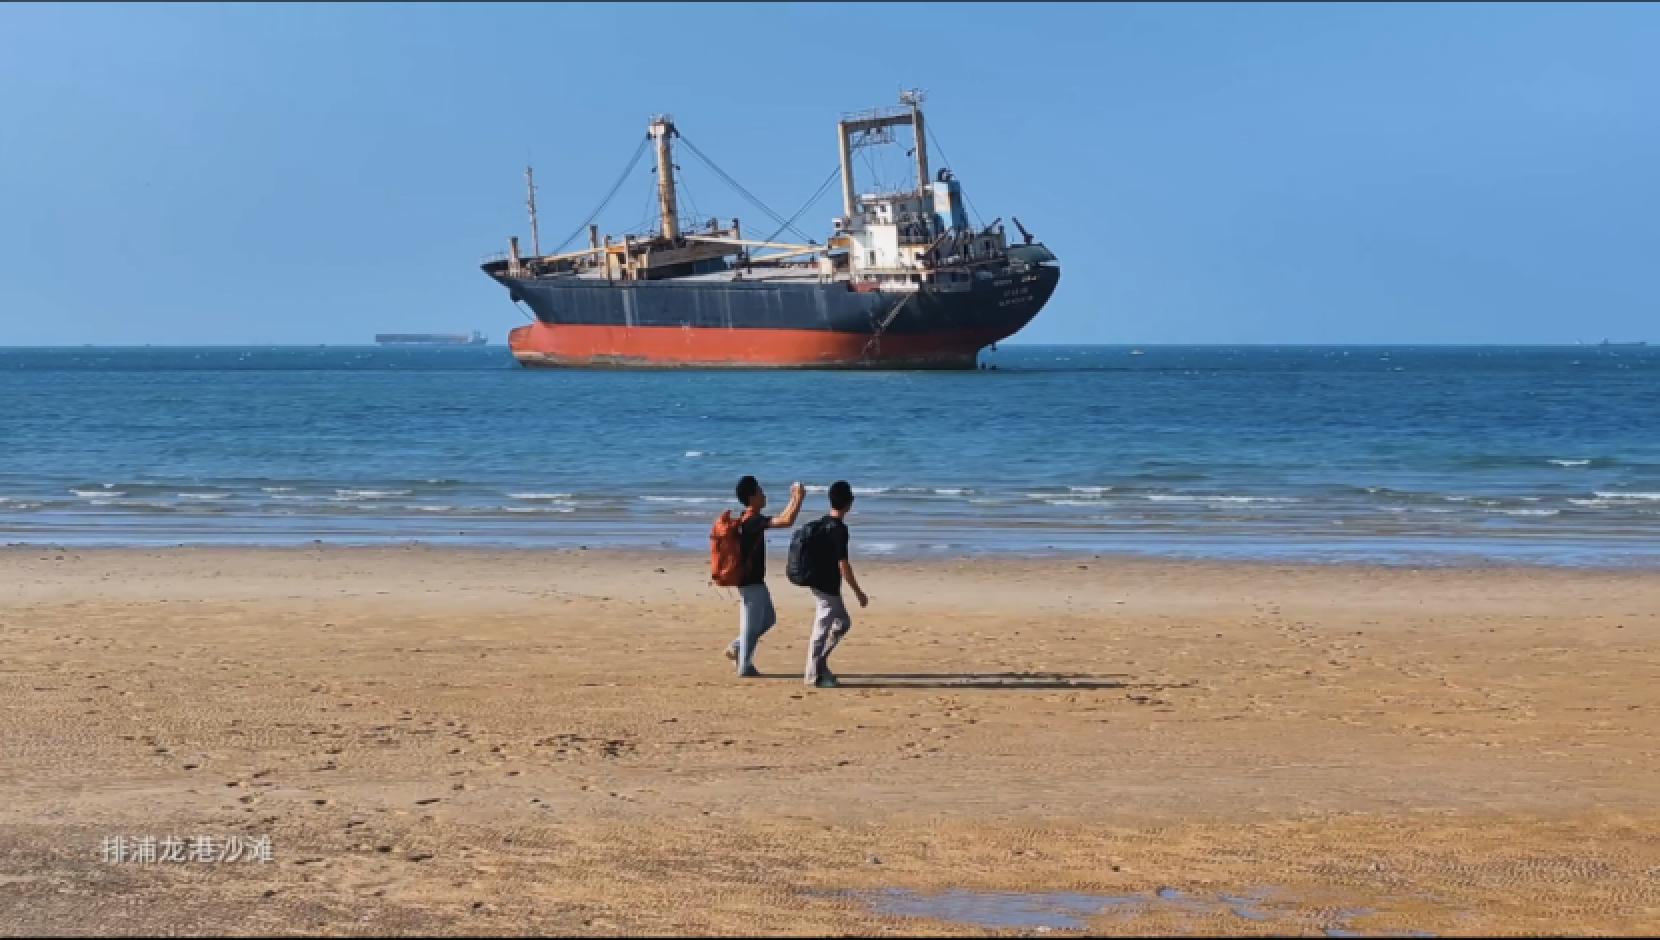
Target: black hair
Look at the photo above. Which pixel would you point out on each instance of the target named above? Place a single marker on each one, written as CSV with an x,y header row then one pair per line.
x,y
841,496
746,490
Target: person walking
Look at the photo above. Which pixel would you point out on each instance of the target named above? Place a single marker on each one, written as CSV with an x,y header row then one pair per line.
x,y
755,611
830,567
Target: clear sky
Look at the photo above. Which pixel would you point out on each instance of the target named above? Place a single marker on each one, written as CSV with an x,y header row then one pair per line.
x,y
1231,174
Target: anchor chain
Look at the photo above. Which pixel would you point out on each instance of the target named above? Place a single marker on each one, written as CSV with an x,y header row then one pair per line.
x,y
875,341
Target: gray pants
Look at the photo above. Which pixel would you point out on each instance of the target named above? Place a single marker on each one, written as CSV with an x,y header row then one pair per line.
x,y
755,618
830,623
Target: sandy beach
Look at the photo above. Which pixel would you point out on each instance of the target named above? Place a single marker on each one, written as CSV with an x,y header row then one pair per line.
x,y
505,742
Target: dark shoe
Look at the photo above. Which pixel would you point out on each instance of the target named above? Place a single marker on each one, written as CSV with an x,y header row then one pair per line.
x,y
750,673
826,682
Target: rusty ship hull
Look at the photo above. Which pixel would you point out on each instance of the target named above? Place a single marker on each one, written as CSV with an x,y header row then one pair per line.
x,y
670,324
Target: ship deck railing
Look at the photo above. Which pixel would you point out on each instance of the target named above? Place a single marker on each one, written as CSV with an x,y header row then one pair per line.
x,y
875,114
893,275
712,277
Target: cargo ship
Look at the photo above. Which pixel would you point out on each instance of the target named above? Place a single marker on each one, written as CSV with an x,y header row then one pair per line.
x,y
430,339
903,281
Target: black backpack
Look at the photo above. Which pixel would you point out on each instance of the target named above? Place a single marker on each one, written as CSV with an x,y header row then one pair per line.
x,y
807,551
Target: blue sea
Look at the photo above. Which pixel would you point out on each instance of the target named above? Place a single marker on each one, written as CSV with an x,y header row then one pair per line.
x,y
1413,455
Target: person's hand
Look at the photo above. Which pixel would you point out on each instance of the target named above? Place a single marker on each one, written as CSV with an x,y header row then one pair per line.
x,y
796,489
863,600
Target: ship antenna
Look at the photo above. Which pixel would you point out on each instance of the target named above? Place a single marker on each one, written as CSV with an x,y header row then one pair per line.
x,y
530,202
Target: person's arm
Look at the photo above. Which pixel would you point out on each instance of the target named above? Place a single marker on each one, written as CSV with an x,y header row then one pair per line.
x,y
786,518
847,566
852,582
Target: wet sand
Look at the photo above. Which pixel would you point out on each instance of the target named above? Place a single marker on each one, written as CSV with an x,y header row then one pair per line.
x,y
482,742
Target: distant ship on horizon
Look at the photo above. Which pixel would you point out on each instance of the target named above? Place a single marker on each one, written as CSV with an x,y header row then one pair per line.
x,y
431,339
1636,343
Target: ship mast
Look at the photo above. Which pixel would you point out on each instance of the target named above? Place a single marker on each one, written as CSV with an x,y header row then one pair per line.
x,y
913,97
530,203
662,128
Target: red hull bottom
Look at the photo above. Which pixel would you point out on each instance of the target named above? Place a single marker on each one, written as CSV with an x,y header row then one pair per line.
x,y
539,344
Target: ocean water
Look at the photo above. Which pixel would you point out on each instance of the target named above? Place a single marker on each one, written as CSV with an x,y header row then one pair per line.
x,y
1387,454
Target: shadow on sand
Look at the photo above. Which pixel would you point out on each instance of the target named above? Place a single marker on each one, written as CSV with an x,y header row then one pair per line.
x,y
987,680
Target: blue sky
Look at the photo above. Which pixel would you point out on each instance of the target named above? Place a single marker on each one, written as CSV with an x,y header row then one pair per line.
x,y
1231,174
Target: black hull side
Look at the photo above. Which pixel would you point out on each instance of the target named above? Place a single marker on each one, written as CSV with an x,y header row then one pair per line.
x,y
997,307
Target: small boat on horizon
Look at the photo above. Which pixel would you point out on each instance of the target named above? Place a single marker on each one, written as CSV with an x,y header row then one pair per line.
x,y
430,339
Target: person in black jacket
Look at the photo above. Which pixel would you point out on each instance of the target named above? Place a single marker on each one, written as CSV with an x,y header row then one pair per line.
x,y
832,621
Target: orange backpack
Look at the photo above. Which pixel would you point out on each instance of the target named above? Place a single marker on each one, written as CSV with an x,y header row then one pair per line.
x,y
726,550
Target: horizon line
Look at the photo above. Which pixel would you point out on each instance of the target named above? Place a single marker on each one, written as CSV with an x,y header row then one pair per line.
x,y
1131,345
